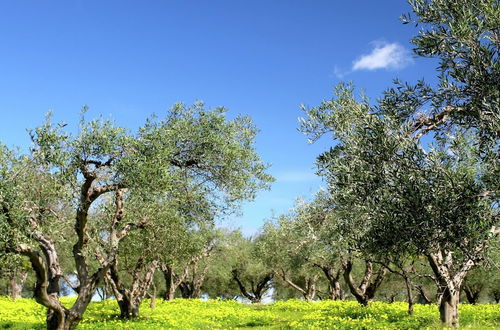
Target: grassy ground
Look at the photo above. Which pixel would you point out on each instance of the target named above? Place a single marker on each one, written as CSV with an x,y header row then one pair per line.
x,y
292,314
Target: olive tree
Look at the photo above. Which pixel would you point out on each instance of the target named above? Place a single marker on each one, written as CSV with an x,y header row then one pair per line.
x,y
105,160
32,195
398,196
178,239
132,273
247,268
284,248
321,244
441,199
181,259
14,274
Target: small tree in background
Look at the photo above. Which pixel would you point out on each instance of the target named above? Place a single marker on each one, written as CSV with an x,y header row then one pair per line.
x,y
252,276
285,248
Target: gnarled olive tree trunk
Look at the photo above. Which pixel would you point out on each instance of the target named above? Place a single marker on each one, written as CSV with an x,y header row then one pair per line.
x,y
129,299
308,290
47,267
46,292
371,281
472,292
334,288
172,280
192,277
448,308
449,277
257,290
191,286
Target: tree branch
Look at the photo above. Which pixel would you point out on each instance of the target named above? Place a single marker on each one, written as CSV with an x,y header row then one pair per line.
x,y
426,124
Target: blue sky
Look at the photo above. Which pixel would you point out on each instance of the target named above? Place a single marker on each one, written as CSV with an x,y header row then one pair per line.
x,y
130,59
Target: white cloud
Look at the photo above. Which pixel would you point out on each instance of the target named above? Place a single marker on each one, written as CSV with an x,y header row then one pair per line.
x,y
384,56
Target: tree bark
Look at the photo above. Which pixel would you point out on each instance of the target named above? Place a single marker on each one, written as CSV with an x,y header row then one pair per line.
x,y
168,275
449,277
409,295
172,280
191,285
198,279
129,299
46,291
48,275
16,284
152,304
335,291
365,291
186,290
448,308
309,289
129,307
334,288
189,288
472,293
257,291
197,290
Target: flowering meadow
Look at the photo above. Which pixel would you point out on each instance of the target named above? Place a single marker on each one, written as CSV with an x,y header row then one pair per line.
x,y
291,314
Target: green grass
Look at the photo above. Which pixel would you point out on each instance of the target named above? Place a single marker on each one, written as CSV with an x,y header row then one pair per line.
x,y
291,314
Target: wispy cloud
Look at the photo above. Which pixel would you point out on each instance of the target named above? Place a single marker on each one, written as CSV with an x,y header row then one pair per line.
x,y
339,73
384,56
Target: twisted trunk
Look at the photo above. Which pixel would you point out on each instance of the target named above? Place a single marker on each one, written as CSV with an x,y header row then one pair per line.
x,y
308,290
170,287
172,280
191,288
130,299
371,281
472,292
449,278
448,308
44,259
194,277
129,307
334,288
186,290
49,272
256,291
46,292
